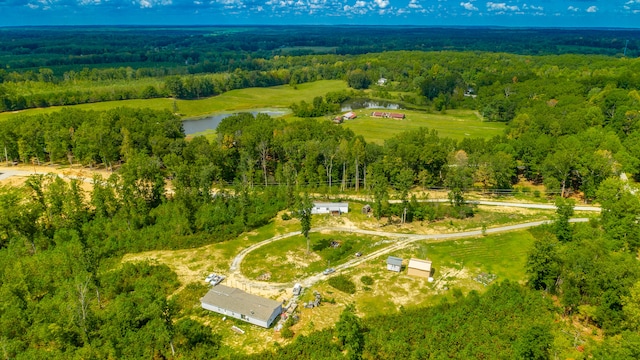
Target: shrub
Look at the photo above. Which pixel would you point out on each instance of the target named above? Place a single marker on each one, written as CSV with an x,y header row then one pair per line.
x,y
286,216
286,332
367,280
343,284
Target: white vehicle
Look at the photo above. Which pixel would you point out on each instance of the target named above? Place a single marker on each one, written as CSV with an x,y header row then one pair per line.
x,y
328,271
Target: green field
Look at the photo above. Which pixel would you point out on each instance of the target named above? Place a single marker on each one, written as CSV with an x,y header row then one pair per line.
x,y
286,260
456,124
504,255
235,100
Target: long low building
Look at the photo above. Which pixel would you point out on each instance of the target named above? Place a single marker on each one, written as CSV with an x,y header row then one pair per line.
x,y
330,208
241,305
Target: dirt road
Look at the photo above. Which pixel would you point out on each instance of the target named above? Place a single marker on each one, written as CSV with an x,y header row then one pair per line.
x,y
403,240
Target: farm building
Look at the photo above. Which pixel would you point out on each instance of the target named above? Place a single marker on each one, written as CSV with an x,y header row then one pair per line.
x,y
241,305
337,120
394,264
349,116
387,115
330,208
419,267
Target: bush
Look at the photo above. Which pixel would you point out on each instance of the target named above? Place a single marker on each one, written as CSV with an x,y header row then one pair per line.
x,y
343,284
286,332
286,216
367,280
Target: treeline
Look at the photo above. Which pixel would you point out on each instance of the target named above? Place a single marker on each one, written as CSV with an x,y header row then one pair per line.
x,y
505,85
221,49
593,269
567,147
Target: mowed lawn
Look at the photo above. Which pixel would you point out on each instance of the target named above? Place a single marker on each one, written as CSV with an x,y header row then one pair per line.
x,y
504,254
455,124
235,100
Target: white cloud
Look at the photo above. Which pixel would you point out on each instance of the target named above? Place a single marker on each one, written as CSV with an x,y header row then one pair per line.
x,y
468,6
491,6
147,4
382,3
592,9
414,4
532,7
633,6
573,8
89,2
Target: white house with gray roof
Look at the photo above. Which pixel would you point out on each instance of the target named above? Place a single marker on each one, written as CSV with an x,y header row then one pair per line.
x,y
330,208
394,264
241,305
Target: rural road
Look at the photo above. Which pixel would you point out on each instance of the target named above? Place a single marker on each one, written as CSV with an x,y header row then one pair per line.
x,y
510,204
402,241
6,173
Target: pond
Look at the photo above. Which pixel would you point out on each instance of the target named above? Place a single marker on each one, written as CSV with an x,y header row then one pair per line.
x,y
355,104
211,122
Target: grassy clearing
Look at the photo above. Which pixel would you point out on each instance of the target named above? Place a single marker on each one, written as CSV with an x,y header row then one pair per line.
x,y
286,260
503,254
456,124
235,100
455,264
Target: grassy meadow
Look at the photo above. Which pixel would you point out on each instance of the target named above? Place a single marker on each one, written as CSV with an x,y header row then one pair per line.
x,y
235,100
286,260
455,124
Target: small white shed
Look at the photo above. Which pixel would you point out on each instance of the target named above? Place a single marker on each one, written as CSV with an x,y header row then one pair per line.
x,y
394,264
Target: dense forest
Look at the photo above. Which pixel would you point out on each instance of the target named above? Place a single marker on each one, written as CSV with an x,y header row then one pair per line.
x,y
66,66
572,127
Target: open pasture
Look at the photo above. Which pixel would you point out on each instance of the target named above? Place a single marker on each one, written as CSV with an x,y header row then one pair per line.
x,y
504,255
235,100
455,124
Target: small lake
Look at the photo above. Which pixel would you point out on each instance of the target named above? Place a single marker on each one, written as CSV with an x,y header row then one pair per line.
x,y
192,126
355,104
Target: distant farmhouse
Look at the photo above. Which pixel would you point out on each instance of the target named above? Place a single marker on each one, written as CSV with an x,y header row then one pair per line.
x,y
241,305
421,268
330,208
394,264
387,115
349,116
382,81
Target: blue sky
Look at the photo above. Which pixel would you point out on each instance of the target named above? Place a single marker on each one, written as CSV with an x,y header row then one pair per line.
x,y
540,13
